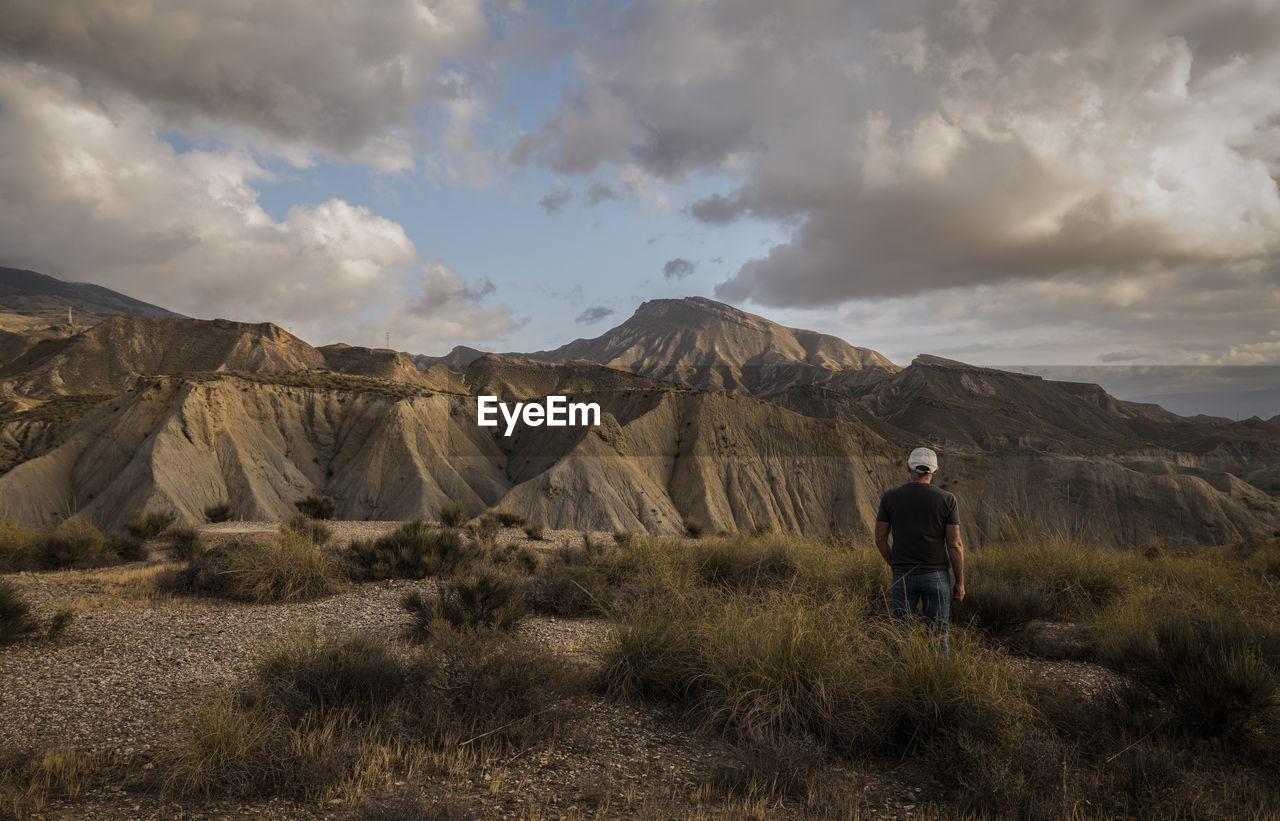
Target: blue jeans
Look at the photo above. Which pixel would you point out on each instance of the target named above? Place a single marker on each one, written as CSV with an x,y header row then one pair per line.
x,y
931,592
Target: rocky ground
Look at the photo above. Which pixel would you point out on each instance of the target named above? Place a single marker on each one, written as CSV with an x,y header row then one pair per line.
x,y
131,661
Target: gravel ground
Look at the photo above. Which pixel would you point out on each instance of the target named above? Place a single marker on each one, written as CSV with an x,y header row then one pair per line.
x,y
128,664
110,683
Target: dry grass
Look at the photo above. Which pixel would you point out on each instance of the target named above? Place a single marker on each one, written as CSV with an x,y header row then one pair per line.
x,y
130,586
340,715
29,781
283,568
74,542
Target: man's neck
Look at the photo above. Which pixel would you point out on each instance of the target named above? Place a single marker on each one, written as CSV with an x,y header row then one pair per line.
x,y
922,479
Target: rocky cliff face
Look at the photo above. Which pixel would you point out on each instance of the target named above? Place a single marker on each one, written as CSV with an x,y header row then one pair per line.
x,y
219,411
188,443
659,455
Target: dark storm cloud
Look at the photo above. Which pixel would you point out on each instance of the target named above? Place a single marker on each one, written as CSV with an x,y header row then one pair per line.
x,y
593,315
678,268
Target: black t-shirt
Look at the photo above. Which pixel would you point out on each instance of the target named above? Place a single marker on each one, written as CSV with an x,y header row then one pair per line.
x,y
918,515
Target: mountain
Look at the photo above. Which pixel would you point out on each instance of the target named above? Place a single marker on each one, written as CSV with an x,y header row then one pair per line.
x,y
1232,391
965,406
152,413
29,299
111,355
707,344
660,454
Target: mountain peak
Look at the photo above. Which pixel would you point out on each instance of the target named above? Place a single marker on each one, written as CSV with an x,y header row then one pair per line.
x,y
707,344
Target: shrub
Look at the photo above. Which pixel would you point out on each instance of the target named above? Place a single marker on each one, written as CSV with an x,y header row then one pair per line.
x,y
219,512
18,546
60,622
507,519
994,605
313,529
519,555
621,537
1071,580
784,667
414,550
490,692
150,525
230,748
453,514
74,543
186,543
485,530
486,600
284,568
14,610
1217,672
127,547
317,507
578,581
319,711
693,527
533,532
307,674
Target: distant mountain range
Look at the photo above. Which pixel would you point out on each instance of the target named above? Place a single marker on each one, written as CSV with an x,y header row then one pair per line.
x,y
39,298
708,412
1233,391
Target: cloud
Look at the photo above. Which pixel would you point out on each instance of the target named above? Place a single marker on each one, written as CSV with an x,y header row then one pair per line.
x,y
555,202
92,194
598,192
678,268
926,145
1202,314
440,310
1123,356
345,77
593,315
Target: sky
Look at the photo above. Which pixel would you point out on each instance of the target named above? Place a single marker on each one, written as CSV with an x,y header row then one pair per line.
x,y
995,181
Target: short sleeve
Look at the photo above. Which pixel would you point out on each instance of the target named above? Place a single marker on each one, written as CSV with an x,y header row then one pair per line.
x,y
953,511
882,515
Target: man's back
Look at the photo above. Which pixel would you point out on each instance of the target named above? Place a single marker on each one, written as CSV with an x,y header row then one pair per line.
x,y
918,514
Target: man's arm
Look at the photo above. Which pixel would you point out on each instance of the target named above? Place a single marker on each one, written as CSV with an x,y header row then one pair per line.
x,y
955,552
882,542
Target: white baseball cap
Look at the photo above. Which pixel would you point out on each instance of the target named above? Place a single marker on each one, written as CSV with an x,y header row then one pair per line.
x,y
923,460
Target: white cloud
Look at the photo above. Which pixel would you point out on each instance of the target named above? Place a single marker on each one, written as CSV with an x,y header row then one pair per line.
x,y
437,310
92,194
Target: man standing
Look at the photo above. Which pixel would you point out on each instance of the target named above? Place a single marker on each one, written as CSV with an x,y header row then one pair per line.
x,y
925,525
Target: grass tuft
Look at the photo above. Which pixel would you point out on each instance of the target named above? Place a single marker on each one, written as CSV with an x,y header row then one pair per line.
x,y
150,525
313,529
415,550
486,600
15,621
284,568
453,513
218,512
186,542
317,507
